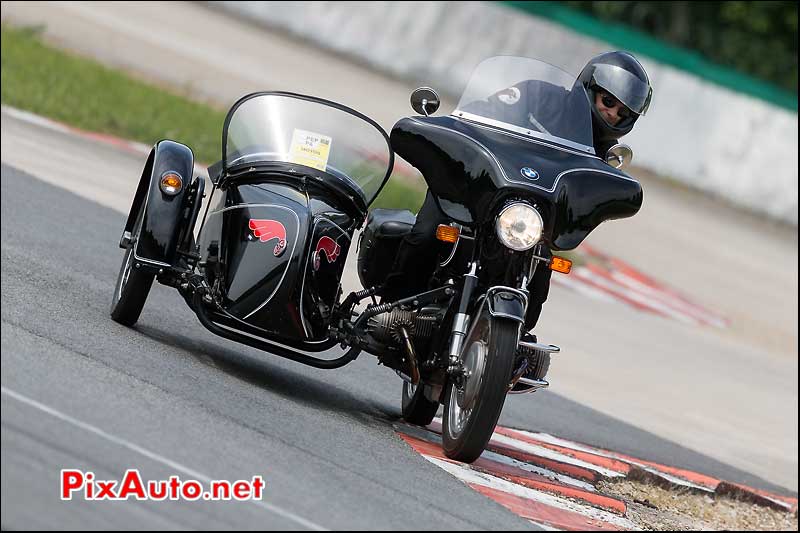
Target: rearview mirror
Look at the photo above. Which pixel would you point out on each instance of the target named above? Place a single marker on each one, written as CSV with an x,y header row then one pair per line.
x,y
425,101
619,155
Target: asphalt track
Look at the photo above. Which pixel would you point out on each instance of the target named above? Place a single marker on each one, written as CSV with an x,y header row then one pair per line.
x,y
167,397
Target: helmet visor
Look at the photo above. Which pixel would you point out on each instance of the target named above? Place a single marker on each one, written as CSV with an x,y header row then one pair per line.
x,y
626,87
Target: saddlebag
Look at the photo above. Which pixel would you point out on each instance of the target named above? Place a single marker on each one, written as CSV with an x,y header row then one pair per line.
x,y
379,242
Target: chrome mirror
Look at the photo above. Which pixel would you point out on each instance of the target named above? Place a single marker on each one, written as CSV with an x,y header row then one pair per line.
x,y
619,155
425,101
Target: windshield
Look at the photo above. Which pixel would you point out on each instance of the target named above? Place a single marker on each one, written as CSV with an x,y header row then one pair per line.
x,y
530,97
315,133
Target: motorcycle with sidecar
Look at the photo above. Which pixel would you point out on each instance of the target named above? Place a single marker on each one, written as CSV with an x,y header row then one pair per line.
x,y
263,264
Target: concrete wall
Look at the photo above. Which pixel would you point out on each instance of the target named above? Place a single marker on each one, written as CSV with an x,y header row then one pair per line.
x,y
727,143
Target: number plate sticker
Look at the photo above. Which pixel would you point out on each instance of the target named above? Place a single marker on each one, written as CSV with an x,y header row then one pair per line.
x,y
310,149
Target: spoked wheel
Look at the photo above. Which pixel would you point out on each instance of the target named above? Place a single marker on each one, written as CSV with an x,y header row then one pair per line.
x,y
473,406
132,286
417,409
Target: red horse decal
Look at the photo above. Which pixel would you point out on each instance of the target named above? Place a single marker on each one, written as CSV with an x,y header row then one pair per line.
x,y
266,230
331,249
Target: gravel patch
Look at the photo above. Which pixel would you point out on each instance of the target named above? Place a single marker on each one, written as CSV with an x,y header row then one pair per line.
x,y
659,509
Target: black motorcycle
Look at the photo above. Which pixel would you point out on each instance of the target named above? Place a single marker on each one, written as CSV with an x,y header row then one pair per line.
x,y
295,182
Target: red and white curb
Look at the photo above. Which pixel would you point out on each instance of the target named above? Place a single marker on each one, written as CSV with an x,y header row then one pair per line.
x,y
608,278
552,481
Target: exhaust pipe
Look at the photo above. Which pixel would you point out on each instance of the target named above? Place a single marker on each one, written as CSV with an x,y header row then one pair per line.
x,y
412,356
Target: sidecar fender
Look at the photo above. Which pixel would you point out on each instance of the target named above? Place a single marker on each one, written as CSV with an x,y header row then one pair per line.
x,y
157,240
507,303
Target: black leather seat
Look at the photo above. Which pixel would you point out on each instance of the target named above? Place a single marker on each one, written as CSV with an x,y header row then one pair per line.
x,y
379,242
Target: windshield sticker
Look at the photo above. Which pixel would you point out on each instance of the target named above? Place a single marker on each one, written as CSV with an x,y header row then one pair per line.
x,y
509,96
310,149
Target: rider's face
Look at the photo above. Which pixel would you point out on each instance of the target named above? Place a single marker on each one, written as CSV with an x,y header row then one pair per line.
x,y
612,109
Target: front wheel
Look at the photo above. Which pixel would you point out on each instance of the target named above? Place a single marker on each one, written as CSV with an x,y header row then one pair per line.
x,y
473,406
132,287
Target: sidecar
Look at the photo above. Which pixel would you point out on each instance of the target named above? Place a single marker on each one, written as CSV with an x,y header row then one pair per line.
x,y
263,263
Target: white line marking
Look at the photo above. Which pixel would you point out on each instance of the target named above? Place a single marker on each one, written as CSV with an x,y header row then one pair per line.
x,y
541,451
544,437
549,474
154,456
542,525
467,475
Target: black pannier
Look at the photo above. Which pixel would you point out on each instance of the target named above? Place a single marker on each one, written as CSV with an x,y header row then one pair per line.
x,y
379,243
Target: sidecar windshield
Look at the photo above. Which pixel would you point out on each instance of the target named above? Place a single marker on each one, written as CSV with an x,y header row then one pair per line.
x,y
531,98
315,133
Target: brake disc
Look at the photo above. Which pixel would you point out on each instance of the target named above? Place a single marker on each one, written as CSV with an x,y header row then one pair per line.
x,y
474,361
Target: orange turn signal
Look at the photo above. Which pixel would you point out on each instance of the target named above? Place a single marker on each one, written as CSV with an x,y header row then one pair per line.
x,y
559,264
171,183
447,233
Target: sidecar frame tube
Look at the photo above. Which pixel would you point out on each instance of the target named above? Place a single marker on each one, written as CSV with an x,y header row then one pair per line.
x,y
200,309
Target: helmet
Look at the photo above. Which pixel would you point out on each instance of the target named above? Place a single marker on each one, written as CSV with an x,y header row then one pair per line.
x,y
621,75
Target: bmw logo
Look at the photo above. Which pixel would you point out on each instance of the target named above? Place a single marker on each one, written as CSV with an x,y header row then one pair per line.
x,y
529,173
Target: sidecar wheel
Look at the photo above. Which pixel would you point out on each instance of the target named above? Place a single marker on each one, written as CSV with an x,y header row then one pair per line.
x,y
417,409
132,287
471,411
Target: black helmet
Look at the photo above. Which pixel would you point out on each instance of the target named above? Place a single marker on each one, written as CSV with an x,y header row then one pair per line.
x,y
621,75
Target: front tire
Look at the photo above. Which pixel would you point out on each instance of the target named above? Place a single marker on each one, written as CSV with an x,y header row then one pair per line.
x,y
417,409
132,287
471,411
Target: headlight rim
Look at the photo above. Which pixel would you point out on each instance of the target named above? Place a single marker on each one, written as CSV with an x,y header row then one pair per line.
x,y
503,211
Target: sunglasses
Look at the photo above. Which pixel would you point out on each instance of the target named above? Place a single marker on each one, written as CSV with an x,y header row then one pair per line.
x,y
611,102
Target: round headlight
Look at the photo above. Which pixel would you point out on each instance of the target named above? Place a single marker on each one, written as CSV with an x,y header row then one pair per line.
x,y
519,226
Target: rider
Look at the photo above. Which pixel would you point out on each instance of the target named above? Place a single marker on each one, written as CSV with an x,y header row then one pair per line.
x,y
619,90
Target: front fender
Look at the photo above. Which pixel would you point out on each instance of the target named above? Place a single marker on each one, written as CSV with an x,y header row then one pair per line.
x,y
160,232
507,303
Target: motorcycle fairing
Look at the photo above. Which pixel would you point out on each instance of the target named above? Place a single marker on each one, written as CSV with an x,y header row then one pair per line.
x,y
468,166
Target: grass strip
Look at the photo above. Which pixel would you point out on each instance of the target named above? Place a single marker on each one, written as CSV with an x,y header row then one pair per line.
x,y
81,92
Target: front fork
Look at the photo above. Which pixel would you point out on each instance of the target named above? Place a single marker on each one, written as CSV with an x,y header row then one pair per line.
x,y
461,321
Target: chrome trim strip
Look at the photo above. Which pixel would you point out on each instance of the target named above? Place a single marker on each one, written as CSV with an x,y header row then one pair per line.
x,y
497,288
590,170
241,206
227,314
534,384
452,252
502,170
151,261
584,149
528,139
322,217
549,348
223,326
